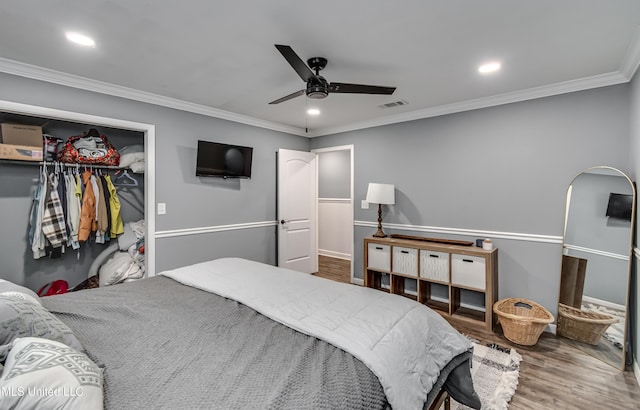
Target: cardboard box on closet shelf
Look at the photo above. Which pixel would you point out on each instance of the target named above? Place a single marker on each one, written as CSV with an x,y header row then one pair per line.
x,y
21,142
20,152
21,134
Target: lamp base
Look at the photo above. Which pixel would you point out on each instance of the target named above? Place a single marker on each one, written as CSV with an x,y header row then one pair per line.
x,y
379,233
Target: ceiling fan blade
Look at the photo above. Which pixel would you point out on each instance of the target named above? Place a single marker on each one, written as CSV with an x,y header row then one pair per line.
x,y
360,89
288,97
296,62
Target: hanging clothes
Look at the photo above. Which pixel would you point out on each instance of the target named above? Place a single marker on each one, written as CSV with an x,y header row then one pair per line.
x,y
54,226
117,226
73,210
88,222
101,215
107,200
38,241
67,210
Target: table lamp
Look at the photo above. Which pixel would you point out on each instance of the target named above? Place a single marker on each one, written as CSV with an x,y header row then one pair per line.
x,y
381,194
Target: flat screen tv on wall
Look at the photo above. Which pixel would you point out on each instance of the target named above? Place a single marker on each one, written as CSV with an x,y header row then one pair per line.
x,y
619,206
215,159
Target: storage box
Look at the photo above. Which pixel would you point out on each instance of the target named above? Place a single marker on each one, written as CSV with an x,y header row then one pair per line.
x,y
21,134
434,265
20,152
468,271
405,261
379,257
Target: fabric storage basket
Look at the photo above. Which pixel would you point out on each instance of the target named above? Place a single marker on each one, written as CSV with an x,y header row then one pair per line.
x,y
581,325
522,320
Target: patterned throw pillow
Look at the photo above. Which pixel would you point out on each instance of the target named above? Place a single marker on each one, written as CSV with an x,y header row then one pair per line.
x,y
44,374
24,318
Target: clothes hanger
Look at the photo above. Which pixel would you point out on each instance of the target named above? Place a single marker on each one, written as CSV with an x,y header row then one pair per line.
x,y
124,179
93,133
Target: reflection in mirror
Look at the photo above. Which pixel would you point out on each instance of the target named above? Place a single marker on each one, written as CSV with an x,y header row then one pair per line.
x,y
597,248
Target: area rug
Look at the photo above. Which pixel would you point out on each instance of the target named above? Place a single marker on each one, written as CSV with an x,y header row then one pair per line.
x,y
495,372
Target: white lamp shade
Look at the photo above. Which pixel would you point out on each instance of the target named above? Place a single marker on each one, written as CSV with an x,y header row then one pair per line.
x,y
381,194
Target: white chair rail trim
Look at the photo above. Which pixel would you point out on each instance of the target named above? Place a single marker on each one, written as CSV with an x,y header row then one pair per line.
x,y
417,228
467,232
211,229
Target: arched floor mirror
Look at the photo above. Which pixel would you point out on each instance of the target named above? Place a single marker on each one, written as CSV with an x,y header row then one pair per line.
x,y
596,263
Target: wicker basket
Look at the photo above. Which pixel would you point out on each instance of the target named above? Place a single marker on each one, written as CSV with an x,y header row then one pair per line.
x,y
522,320
581,325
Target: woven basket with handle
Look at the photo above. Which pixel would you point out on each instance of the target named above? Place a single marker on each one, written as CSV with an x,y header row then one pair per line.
x,y
522,320
581,325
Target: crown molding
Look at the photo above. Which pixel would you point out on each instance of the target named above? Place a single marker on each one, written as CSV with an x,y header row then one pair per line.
x,y
57,77
586,83
631,60
627,70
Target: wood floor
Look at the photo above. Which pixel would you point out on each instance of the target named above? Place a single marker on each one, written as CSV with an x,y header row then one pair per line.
x,y
553,374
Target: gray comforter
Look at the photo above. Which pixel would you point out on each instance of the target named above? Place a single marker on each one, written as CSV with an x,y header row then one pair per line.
x,y
166,345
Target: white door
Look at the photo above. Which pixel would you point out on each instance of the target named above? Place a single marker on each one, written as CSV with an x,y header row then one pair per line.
x,y
297,198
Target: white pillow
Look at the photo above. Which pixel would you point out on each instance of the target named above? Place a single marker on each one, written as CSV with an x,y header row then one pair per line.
x,y
117,268
45,374
131,154
137,167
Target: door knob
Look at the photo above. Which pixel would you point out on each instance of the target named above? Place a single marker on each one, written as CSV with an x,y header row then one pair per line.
x,y
282,221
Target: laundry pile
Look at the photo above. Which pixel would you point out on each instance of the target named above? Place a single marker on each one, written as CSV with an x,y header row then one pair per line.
x,y
127,262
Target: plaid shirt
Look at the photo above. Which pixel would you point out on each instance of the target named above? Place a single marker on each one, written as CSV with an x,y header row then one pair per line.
x,y
53,222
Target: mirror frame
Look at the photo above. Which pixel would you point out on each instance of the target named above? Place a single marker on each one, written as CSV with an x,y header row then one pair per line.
x,y
629,264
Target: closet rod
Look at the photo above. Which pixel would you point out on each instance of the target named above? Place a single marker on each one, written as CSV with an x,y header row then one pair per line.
x,y
68,165
51,163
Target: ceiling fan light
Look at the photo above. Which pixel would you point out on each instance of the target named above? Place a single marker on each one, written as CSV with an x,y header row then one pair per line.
x,y
317,93
313,111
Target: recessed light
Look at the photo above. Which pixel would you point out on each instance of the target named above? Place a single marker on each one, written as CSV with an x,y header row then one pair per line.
x,y
313,111
80,39
489,67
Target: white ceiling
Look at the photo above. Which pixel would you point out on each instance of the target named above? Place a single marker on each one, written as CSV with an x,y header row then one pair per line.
x,y
218,57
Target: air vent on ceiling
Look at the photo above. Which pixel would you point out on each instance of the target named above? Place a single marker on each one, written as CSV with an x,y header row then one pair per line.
x,y
394,104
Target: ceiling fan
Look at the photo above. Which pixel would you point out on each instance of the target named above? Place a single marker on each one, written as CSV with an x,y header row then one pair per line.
x,y
317,86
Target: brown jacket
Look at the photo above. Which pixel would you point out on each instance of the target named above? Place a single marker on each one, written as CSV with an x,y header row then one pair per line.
x,y
88,222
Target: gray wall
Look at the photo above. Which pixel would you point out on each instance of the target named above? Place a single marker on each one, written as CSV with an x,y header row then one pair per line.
x,y
503,169
191,202
332,168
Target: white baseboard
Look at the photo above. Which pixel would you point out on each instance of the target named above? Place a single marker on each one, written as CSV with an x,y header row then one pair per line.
x,y
636,371
333,254
357,281
604,303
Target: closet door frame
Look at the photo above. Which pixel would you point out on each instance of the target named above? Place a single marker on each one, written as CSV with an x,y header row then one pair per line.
x,y
149,131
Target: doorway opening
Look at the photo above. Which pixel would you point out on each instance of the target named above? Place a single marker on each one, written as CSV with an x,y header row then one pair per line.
x,y
335,212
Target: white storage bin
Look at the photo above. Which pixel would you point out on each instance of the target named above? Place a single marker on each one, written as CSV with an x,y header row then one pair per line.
x,y
379,257
468,271
434,265
405,261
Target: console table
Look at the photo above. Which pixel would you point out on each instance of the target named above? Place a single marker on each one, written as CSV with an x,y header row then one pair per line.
x,y
456,281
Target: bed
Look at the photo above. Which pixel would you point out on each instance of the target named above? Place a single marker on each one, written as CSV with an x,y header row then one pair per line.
x,y
237,334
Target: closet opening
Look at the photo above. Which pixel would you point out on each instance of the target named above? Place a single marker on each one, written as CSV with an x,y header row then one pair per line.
x,y
19,180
